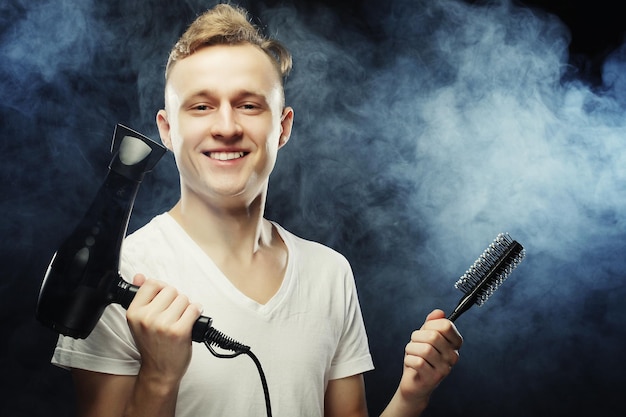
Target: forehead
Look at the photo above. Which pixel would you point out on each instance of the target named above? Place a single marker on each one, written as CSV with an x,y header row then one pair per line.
x,y
222,68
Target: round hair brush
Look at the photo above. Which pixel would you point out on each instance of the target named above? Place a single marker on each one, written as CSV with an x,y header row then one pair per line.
x,y
484,277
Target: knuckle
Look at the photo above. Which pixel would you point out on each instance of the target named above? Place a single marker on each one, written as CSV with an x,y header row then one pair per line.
x,y
454,359
183,299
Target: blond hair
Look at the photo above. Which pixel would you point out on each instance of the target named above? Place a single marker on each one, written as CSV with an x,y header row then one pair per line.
x,y
228,25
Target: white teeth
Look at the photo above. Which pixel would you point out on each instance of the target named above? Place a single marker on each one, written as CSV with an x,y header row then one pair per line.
x,y
225,156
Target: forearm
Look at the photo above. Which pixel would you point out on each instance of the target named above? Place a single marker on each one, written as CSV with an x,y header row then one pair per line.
x,y
429,358
401,407
160,320
152,397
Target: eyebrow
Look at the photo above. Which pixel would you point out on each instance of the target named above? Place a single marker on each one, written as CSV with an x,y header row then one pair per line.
x,y
239,95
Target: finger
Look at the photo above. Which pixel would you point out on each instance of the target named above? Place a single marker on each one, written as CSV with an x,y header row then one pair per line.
x,y
179,318
427,339
414,351
447,329
153,294
166,296
433,349
443,359
423,369
148,289
419,364
172,314
191,313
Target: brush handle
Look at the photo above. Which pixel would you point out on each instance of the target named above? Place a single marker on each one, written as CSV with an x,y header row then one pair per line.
x,y
464,305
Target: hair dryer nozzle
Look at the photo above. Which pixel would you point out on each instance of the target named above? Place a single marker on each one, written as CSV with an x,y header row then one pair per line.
x,y
133,153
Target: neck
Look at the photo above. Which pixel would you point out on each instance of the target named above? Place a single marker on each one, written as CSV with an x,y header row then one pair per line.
x,y
222,230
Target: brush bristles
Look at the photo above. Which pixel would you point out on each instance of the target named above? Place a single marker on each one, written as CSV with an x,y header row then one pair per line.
x,y
491,268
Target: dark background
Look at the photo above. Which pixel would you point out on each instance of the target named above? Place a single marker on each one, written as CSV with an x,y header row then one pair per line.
x,y
422,130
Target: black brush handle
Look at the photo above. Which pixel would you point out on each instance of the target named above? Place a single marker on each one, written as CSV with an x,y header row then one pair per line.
x,y
464,305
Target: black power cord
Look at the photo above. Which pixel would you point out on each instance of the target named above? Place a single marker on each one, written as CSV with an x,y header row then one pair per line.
x,y
217,338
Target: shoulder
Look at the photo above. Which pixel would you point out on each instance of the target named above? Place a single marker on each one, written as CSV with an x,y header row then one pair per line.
x,y
150,248
310,252
159,232
157,225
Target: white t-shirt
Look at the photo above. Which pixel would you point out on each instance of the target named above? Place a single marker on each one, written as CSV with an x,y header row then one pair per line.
x,y
311,331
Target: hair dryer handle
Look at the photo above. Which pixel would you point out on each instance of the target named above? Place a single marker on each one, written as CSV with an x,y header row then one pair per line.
x,y
126,292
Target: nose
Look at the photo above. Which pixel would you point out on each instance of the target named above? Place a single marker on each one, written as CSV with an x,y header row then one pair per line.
x,y
225,125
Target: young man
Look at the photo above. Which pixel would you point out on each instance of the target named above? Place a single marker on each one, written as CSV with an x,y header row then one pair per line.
x,y
293,301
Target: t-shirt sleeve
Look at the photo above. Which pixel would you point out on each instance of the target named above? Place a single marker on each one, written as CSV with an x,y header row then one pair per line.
x,y
352,355
109,348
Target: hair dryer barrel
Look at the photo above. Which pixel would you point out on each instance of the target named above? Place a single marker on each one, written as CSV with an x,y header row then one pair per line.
x,y
83,276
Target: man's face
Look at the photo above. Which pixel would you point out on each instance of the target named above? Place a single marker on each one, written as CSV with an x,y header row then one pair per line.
x,y
224,121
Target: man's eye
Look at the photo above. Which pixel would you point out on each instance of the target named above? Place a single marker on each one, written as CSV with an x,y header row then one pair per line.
x,y
201,107
252,108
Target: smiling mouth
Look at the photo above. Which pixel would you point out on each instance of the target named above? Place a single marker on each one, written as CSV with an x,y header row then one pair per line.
x,y
225,156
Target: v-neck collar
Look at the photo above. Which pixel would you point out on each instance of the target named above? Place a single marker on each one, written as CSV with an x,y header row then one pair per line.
x,y
221,280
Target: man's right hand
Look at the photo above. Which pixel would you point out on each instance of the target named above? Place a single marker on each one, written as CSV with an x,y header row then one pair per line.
x,y
161,321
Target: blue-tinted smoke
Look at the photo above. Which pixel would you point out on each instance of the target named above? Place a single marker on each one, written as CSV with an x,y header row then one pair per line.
x,y
416,146
422,130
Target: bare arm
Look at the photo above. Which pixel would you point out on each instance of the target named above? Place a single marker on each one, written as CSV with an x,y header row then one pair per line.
x,y
101,395
429,358
345,397
105,395
160,320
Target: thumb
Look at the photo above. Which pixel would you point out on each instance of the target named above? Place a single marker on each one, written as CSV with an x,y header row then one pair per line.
x,y
139,279
435,314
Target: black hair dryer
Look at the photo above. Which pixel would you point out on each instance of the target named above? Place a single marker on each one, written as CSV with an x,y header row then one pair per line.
x,y
83,276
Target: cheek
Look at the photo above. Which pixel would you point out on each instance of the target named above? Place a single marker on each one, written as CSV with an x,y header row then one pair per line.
x,y
186,134
273,132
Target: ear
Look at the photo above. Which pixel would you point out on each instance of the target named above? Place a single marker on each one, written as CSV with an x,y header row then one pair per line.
x,y
164,128
286,123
